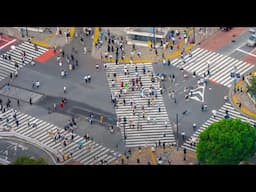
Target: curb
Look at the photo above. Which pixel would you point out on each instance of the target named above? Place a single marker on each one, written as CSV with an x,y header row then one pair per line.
x,y
173,55
40,43
46,45
13,136
233,100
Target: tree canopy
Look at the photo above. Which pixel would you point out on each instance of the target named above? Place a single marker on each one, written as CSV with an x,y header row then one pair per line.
x,y
228,141
252,88
26,160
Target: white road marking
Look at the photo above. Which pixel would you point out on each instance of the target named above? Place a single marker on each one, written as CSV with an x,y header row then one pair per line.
x,y
248,53
5,45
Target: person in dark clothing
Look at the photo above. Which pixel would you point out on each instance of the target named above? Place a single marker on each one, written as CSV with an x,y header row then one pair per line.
x,y
30,100
73,120
202,107
17,123
8,104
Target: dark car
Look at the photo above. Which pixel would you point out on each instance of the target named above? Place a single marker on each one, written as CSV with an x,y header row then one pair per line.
x,y
226,28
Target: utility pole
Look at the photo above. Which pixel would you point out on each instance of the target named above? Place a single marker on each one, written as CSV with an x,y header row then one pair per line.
x,y
124,129
124,133
177,124
27,31
154,32
234,78
194,35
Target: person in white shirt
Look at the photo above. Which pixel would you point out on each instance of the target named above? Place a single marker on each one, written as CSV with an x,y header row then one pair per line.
x,y
85,78
97,67
183,135
89,78
148,118
62,73
37,84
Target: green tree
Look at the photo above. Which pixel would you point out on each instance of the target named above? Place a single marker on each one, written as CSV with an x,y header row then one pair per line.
x,y
26,160
228,141
252,88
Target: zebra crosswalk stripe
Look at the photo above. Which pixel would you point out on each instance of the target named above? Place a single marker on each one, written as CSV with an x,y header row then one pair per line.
x,y
7,66
40,133
154,129
191,142
220,66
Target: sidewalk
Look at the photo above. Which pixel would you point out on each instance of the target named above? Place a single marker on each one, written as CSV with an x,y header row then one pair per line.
x,y
169,155
47,39
147,54
241,101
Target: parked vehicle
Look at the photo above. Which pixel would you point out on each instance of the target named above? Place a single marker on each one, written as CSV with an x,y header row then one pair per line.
x,y
225,28
252,30
252,40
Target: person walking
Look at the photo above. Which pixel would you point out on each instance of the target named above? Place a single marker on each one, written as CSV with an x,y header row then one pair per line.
x,y
65,89
183,135
159,109
30,100
89,78
37,84
17,122
85,79
97,67
184,151
202,107
194,126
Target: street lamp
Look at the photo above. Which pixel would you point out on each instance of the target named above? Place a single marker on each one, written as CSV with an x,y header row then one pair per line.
x,y
124,128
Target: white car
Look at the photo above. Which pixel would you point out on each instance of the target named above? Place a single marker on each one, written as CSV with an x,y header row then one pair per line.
x,y
252,40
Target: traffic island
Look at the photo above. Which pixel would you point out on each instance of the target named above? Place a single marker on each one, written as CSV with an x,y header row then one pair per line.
x,y
241,99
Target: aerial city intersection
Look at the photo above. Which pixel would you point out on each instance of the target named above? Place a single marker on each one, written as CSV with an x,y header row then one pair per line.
x,y
127,95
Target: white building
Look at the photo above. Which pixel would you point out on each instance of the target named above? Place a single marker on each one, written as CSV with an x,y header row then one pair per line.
x,y
142,35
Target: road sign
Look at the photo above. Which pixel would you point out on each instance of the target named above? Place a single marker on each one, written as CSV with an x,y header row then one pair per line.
x,y
237,75
232,74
